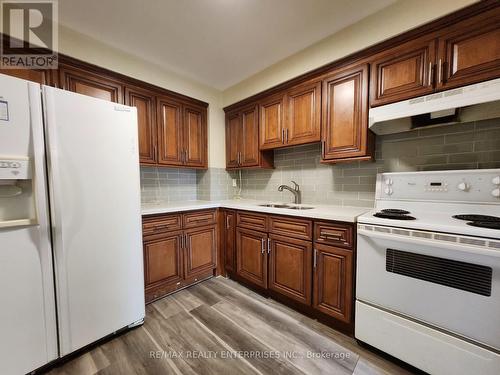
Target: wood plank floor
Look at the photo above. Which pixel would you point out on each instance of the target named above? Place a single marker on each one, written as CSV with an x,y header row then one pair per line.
x,y
220,327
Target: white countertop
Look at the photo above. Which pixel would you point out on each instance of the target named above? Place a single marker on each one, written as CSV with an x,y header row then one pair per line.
x,y
320,211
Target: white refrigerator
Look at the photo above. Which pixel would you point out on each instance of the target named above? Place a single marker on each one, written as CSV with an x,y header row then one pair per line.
x,y
71,265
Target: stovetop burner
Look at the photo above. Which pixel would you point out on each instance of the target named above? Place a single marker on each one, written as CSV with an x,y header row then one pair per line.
x,y
485,224
479,218
395,211
395,216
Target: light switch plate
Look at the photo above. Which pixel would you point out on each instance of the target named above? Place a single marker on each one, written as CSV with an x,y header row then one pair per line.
x,y
234,183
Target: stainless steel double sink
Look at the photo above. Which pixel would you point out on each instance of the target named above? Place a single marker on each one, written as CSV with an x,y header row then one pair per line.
x,y
285,206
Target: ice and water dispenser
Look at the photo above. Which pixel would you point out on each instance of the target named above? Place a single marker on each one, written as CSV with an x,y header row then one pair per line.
x,y
17,198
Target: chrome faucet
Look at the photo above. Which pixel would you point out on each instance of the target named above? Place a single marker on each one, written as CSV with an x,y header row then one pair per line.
x,y
295,191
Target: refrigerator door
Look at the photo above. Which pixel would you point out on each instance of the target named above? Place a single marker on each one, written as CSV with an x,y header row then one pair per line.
x,y
93,168
28,338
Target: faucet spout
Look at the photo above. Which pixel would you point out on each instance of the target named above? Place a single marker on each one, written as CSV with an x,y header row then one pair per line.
x,y
295,191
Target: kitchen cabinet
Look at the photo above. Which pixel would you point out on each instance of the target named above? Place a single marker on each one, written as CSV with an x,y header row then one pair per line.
x,y
90,84
291,118
251,256
229,240
345,116
195,137
145,102
469,51
242,140
290,271
403,72
333,281
38,76
179,250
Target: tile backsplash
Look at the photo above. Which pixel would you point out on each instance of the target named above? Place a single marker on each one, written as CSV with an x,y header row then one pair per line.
x,y
462,146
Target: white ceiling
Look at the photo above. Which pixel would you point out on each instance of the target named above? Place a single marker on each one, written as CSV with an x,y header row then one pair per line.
x,y
216,42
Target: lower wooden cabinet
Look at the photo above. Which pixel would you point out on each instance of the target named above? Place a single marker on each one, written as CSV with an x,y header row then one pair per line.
x,y
333,281
251,256
200,250
163,259
290,270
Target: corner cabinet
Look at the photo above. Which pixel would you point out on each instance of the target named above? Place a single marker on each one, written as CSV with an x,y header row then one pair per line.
x,y
345,116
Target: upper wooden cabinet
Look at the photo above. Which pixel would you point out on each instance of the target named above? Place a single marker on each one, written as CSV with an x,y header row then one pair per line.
x,y
144,101
195,137
291,118
242,140
345,115
403,72
469,51
38,76
91,84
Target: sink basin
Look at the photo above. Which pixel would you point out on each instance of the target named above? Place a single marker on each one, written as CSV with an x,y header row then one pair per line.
x,y
273,205
300,207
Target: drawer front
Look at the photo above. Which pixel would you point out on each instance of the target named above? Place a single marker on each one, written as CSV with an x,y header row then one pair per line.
x,y
291,227
161,224
334,234
199,218
252,220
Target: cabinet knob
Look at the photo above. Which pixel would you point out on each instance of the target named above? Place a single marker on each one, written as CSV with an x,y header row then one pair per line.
x,y
463,186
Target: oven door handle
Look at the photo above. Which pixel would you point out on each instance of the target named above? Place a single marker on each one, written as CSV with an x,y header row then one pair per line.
x,y
435,243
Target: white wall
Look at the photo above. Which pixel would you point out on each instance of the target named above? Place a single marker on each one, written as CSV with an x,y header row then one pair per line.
x,y
84,48
390,21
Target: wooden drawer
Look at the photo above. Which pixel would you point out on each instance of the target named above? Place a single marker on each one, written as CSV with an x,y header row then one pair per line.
x,y
334,234
161,224
251,220
199,218
291,227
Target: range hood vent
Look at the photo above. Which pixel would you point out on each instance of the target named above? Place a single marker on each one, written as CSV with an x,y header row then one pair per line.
x,y
476,102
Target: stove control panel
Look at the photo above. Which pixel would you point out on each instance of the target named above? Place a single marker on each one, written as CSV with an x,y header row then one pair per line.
x,y
479,185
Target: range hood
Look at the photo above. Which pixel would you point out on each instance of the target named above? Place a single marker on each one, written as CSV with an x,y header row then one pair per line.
x,y
480,101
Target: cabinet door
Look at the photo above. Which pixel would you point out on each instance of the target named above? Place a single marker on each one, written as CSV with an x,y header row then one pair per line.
x,y
195,137
90,84
333,281
170,149
249,155
144,101
200,250
403,72
469,51
233,139
163,260
345,114
251,256
290,267
303,119
272,122
229,240
38,76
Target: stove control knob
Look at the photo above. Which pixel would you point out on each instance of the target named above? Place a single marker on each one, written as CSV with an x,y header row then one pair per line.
x,y
388,191
496,180
496,193
388,181
463,186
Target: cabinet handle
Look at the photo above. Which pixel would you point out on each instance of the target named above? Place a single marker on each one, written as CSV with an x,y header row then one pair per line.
x,y
336,235
185,156
227,222
154,152
314,260
160,227
429,83
185,241
440,71
182,241
269,246
262,246
286,136
323,149
239,158
283,135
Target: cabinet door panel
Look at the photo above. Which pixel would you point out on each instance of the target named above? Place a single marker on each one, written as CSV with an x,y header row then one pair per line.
x,y
90,84
403,72
163,260
169,132
200,250
38,76
272,122
333,282
144,101
345,114
250,137
251,257
195,137
470,51
303,122
290,268
233,139
229,240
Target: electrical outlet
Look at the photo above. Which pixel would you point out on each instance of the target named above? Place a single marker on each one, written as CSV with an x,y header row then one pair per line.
x,y
234,183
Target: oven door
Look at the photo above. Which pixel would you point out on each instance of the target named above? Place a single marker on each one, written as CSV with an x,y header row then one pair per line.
x,y
445,284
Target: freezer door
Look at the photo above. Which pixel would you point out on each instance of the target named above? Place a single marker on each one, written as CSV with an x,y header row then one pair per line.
x,y
28,337
93,166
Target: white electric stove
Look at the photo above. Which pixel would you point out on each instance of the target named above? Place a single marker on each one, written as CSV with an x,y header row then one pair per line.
x,y
428,270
